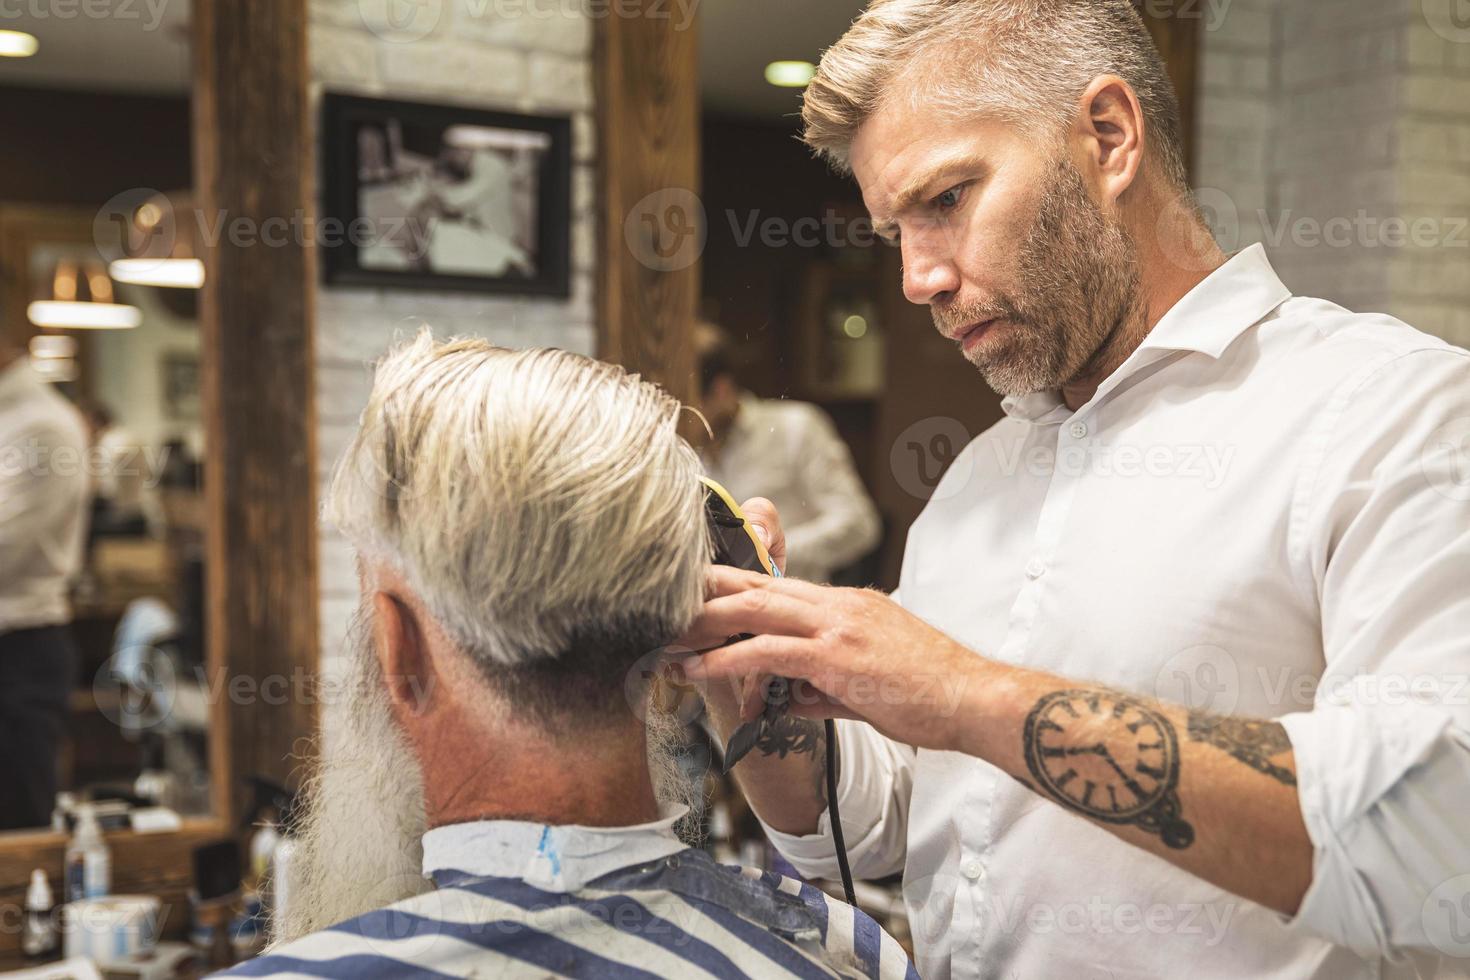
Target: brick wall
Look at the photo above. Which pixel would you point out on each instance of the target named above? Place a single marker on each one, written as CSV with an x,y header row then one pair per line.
x,y
1339,134
519,55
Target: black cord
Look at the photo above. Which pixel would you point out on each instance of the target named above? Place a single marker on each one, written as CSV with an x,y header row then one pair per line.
x,y
835,816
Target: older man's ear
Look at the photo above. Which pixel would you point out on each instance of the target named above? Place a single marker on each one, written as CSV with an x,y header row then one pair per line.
x,y
403,652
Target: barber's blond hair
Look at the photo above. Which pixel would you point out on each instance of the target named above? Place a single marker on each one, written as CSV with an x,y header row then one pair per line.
x,y
1026,62
540,504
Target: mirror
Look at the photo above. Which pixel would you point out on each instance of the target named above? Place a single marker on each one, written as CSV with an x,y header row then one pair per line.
x,y
102,598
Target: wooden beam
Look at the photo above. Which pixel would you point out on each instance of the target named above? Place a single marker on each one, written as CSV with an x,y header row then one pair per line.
x,y
651,228
253,168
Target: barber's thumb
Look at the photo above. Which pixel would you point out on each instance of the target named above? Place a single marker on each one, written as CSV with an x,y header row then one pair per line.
x,y
761,532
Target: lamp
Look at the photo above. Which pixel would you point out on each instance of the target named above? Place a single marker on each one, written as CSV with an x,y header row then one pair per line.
x,y
69,310
157,248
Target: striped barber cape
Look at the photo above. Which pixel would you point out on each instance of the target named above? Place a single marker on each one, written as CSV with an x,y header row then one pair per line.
x,y
674,913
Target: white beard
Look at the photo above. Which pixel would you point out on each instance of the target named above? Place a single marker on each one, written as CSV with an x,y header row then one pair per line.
x,y
360,842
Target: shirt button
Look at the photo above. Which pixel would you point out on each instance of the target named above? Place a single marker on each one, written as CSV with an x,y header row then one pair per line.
x,y
1035,567
1079,430
971,869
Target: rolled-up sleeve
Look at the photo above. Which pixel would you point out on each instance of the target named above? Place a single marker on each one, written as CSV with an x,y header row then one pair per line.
x,y
1382,531
875,780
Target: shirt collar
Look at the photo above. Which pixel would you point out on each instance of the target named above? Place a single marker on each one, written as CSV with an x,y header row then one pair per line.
x,y
553,857
1207,320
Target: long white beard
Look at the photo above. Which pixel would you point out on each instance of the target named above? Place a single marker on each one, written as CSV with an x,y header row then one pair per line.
x,y
360,843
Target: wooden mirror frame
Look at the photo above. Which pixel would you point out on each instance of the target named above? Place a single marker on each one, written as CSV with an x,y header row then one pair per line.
x,y
253,159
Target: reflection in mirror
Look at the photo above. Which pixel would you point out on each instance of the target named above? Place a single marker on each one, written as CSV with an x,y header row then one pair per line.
x,y
102,540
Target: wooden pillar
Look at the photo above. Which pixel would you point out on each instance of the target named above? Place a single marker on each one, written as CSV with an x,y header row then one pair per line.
x,y
651,223
253,174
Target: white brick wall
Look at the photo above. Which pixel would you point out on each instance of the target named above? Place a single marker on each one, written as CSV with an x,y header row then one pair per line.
x,y
1357,113
520,55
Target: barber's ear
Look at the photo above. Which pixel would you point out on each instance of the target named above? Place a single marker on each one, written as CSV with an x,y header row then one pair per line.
x,y
1111,126
403,653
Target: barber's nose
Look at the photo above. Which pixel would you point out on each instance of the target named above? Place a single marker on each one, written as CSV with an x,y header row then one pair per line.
x,y
928,276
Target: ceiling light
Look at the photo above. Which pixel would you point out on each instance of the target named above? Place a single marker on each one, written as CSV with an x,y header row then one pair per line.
x,y
17,44
176,273
53,346
74,315
855,327
790,74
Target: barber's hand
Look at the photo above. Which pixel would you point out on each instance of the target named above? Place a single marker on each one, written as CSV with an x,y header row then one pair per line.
x,y
860,653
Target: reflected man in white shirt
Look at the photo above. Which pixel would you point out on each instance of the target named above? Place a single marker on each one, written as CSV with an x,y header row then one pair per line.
x,y
43,521
787,452
1176,680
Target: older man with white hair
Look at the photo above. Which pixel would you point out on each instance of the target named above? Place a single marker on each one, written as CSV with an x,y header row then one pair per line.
x,y
1176,685
496,794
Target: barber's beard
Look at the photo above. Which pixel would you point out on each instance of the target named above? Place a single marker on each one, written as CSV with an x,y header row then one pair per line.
x,y
359,846
1075,299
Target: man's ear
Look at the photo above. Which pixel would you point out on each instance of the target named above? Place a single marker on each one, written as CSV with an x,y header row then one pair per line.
x,y
403,653
1111,128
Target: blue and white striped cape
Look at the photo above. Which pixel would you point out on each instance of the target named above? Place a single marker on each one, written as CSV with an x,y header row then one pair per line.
x,y
678,916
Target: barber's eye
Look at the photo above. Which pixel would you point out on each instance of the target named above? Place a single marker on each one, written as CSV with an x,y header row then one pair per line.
x,y
950,199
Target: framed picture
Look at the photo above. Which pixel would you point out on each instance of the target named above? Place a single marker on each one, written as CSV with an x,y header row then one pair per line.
x,y
180,371
445,197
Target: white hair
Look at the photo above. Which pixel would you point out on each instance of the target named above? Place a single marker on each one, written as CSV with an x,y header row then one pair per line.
x,y
1023,61
537,501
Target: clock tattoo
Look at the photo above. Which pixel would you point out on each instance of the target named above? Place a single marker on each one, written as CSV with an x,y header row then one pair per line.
x,y
1108,756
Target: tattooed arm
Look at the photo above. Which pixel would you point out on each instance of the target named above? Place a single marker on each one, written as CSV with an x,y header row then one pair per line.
x,y
785,776
1215,795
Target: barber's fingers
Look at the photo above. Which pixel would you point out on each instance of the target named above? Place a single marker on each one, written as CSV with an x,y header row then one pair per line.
x,y
763,517
763,656
760,611
723,580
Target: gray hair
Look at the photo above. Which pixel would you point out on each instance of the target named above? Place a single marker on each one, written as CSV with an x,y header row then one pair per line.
x,y
1023,61
539,503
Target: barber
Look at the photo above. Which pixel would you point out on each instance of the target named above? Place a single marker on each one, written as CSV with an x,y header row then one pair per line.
x,y
1174,681
43,520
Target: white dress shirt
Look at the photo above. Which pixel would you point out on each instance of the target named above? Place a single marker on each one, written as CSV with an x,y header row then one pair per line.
x,y
790,453
43,499
1265,511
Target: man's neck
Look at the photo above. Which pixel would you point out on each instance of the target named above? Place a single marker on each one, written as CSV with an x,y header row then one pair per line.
x,y
602,781
1164,279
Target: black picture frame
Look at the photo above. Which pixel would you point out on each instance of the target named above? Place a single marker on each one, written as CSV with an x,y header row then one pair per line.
x,y
343,117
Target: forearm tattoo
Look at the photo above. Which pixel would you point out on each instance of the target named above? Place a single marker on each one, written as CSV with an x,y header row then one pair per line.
x,y
1108,756
1250,740
788,735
